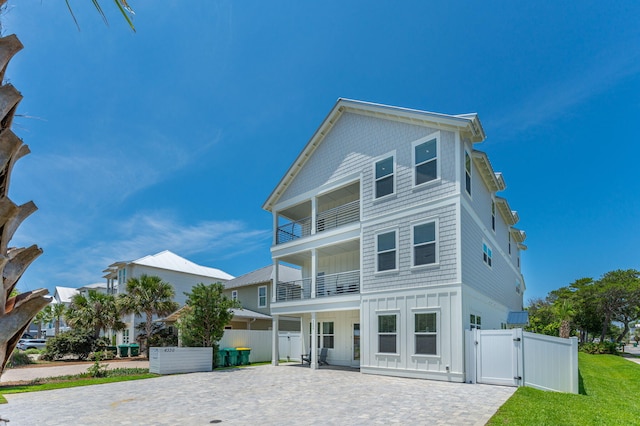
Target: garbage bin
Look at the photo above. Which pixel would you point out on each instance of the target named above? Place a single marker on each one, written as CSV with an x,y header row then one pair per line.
x,y
135,349
635,344
123,351
233,356
222,360
243,354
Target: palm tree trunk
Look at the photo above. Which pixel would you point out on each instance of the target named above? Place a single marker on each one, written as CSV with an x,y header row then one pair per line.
x,y
16,313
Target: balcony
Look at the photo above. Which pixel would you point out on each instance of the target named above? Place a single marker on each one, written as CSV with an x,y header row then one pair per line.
x,y
326,285
325,220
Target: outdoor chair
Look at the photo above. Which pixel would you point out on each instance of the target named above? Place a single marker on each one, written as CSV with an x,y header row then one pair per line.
x,y
323,357
306,358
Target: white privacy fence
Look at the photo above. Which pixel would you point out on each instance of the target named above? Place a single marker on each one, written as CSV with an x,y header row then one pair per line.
x,y
258,340
550,363
519,358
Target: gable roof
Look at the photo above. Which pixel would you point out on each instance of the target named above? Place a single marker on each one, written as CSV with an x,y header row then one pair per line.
x,y
172,262
468,124
64,294
264,275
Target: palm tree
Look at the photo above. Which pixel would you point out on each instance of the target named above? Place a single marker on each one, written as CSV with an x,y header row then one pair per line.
x,y
43,317
57,313
564,312
96,312
148,296
17,311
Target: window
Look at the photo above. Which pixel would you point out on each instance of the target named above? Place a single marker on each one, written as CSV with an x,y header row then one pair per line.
x,y
234,295
424,244
384,177
387,333
262,296
517,286
493,215
125,337
426,333
475,321
122,276
467,169
327,335
486,254
509,233
425,157
386,251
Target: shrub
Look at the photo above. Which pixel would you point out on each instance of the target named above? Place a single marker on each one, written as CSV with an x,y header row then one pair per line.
x,y
599,348
102,355
19,358
75,342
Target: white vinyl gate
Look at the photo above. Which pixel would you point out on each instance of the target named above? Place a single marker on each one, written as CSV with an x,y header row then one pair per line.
x,y
290,345
519,358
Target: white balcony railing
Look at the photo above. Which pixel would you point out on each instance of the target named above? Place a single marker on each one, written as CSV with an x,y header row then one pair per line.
x,y
336,284
326,285
328,219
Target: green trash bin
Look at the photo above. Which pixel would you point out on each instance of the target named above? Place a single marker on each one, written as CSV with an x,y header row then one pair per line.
x,y
222,360
134,349
243,354
123,350
233,356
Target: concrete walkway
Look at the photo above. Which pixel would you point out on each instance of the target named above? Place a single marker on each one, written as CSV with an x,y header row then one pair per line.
x,y
266,395
29,373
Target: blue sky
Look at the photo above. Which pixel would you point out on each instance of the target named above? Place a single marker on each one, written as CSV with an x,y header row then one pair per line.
x,y
172,137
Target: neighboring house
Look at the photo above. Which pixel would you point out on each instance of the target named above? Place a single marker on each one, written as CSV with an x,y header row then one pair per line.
x,y
61,295
253,291
393,216
181,273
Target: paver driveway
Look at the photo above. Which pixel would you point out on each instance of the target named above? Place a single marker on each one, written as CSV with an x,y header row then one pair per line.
x,y
262,395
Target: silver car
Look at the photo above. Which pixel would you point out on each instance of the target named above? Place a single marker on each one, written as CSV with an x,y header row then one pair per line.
x,y
25,344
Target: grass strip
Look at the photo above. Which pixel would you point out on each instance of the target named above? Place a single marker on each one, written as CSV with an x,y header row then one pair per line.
x,y
65,382
608,386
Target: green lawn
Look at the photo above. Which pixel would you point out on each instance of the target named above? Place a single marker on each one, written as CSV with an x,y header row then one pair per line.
x,y
609,389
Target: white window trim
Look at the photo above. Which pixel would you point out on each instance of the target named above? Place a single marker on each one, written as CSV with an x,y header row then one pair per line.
x,y
415,311
396,313
472,325
437,241
234,294
265,297
394,175
436,136
386,231
489,254
469,172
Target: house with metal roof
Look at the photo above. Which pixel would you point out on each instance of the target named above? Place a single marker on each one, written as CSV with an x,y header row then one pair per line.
x,y
394,219
253,291
181,273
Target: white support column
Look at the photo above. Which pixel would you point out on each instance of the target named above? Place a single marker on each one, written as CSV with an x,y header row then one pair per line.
x,y
313,215
275,352
314,342
314,271
274,238
274,280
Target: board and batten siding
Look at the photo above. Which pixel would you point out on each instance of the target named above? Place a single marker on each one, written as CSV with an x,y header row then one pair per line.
x,y
447,364
351,146
498,282
445,272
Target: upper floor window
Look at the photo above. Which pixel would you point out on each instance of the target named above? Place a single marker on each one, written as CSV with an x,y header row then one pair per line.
x,y
387,333
424,244
487,254
467,172
234,295
509,233
425,160
262,296
426,333
493,215
384,177
387,253
518,288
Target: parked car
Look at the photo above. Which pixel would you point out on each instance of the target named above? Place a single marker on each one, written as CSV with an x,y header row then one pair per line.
x,y
27,336
25,344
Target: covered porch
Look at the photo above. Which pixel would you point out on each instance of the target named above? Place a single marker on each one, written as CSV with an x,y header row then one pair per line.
x,y
336,330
